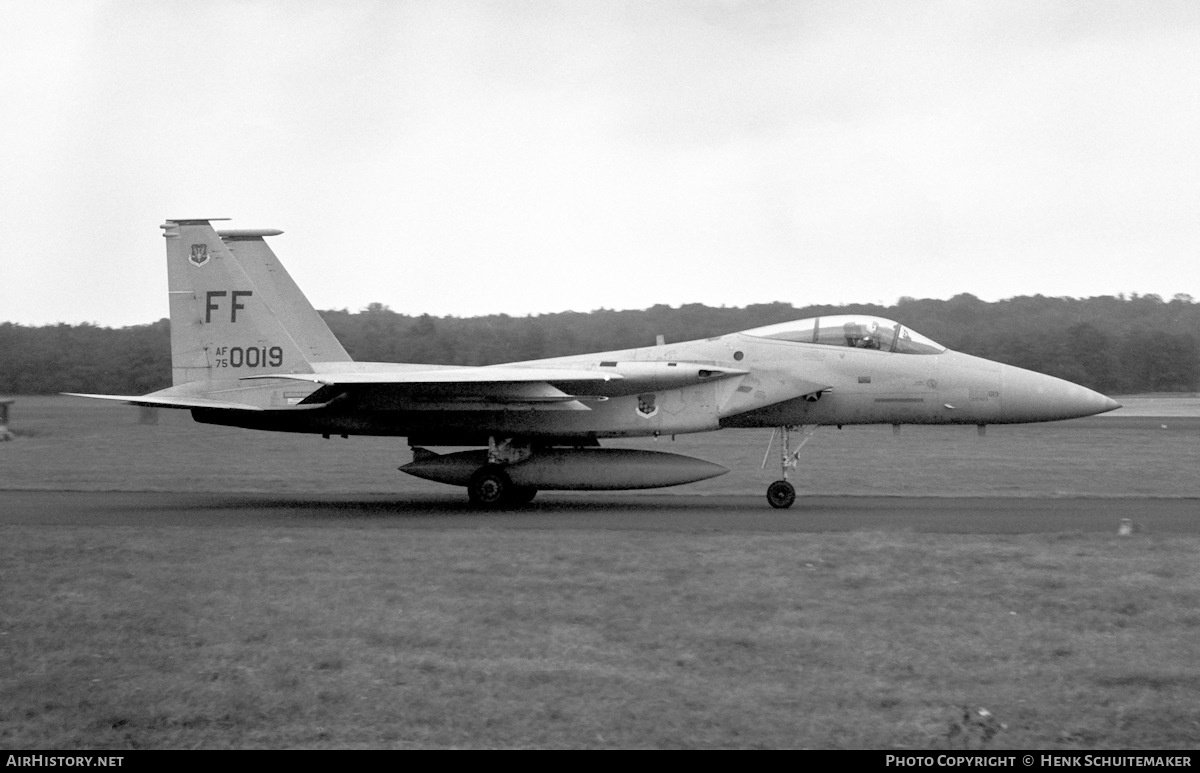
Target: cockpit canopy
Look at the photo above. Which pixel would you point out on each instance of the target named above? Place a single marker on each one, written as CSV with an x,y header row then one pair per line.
x,y
854,330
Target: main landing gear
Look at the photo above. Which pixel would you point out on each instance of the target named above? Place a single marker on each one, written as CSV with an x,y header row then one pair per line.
x,y
782,494
490,487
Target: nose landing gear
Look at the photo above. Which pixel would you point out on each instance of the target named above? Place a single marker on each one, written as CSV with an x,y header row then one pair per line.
x,y
782,494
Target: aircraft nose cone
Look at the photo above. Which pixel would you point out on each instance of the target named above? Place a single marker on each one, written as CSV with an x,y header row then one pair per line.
x,y
1030,396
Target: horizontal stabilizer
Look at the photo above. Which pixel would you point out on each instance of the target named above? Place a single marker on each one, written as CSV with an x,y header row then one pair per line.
x,y
170,402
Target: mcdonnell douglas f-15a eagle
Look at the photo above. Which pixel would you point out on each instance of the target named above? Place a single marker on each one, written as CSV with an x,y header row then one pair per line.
x,y
248,350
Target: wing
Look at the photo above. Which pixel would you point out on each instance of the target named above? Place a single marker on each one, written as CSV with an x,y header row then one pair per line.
x,y
506,386
563,387
486,375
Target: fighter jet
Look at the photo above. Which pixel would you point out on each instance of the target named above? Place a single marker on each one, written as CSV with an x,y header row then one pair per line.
x,y
249,350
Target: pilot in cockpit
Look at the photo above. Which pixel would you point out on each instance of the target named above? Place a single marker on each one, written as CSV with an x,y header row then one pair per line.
x,y
859,338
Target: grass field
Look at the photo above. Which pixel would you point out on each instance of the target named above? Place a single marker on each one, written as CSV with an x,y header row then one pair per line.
x,y
174,638
358,635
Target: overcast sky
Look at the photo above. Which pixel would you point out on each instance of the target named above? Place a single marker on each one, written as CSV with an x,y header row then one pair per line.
x,y
525,157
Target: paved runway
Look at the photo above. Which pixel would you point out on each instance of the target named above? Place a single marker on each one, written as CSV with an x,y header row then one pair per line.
x,y
602,512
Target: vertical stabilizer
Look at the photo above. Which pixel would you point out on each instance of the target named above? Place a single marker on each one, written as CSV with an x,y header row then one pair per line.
x,y
281,293
224,325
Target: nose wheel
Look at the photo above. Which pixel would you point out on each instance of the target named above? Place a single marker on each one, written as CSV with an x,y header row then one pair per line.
x,y
782,494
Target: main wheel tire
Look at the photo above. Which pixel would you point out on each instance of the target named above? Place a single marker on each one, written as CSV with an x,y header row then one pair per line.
x,y
489,487
781,494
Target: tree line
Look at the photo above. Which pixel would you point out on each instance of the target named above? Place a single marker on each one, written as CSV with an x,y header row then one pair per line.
x,y
1114,344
